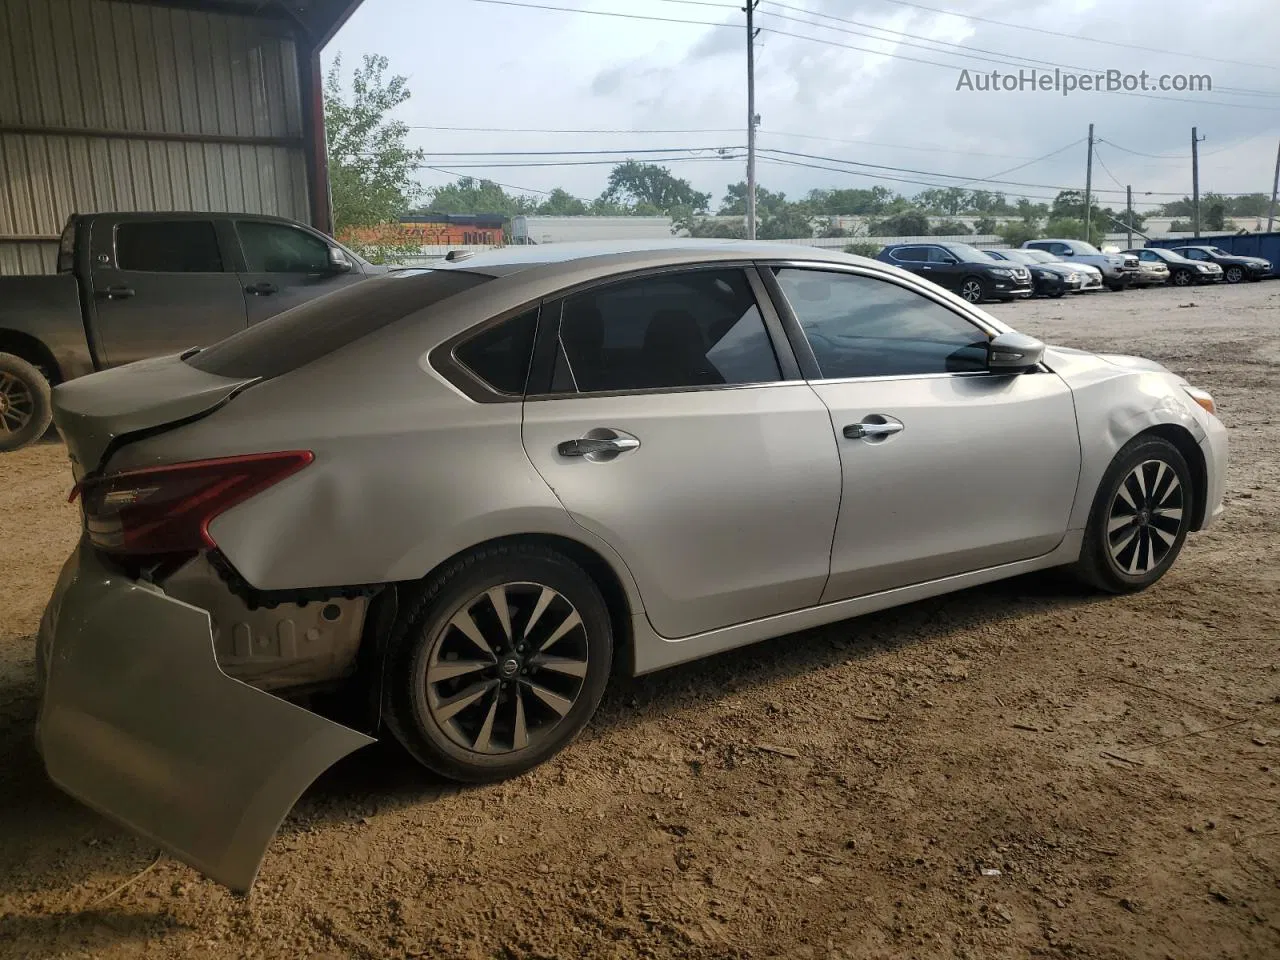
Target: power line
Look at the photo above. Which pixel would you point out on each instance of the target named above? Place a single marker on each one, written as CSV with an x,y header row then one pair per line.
x,y
966,49
424,126
895,146
1001,173
783,33
1104,166
1072,36
578,163
573,153
952,66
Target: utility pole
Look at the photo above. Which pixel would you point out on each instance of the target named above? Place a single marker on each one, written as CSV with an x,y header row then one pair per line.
x,y
1088,188
751,119
1128,203
1195,182
1275,186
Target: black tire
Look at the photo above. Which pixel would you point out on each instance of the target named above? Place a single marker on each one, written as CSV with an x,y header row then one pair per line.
x,y
1056,294
426,631
26,408
1234,274
1107,557
1117,286
973,289
1182,278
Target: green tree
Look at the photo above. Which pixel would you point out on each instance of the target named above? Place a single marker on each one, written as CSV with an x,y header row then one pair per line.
x,y
911,223
560,203
986,225
1068,228
648,189
718,229
469,195
734,203
1018,232
1030,212
950,228
371,169
1250,205
1216,218
851,202
789,223
829,230
1180,226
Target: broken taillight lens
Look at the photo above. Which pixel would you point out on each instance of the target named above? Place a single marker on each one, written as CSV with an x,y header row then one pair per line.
x,y
164,510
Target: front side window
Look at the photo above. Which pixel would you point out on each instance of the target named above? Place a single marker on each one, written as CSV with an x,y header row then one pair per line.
x,y
277,248
700,328
168,246
861,326
940,255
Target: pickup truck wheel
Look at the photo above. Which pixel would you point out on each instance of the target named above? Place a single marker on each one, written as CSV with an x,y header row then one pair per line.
x,y
25,405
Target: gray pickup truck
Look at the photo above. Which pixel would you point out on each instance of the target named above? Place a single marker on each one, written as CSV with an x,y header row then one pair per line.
x,y
137,285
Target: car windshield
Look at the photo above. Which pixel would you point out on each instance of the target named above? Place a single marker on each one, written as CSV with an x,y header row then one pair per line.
x,y
1216,251
968,254
1088,249
1040,256
1018,256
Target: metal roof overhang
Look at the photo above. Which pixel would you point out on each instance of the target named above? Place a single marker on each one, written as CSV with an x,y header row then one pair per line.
x,y
318,20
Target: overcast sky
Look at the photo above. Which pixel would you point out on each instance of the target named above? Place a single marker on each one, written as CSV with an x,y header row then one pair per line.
x,y
480,64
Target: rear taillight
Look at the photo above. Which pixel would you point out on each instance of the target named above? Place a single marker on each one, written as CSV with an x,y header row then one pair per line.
x,y
163,510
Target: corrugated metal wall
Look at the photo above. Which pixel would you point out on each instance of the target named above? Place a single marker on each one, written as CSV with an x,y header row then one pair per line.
x,y
118,106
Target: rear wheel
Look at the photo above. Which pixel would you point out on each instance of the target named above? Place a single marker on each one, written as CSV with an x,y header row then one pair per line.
x,y
973,289
501,664
26,408
1140,517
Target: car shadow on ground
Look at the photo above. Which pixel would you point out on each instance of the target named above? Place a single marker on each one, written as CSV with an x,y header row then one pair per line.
x,y
385,776
86,933
77,844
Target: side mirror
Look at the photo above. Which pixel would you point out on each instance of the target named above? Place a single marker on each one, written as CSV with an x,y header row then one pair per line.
x,y
339,262
1014,353
951,261
1068,252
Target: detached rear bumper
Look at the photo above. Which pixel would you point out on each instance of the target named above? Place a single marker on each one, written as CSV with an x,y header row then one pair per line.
x,y
138,722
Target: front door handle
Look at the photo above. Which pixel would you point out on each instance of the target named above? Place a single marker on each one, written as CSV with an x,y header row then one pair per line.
x,y
873,428
262,288
118,292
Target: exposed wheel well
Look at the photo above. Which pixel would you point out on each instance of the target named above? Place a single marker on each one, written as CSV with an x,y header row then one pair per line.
x,y
1181,438
597,568
31,350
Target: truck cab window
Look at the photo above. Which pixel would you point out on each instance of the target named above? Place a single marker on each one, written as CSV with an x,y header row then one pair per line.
x,y
168,246
277,248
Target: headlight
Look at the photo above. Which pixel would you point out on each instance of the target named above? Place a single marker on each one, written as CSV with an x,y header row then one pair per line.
x,y
1072,277
1001,272
1202,397
1202,268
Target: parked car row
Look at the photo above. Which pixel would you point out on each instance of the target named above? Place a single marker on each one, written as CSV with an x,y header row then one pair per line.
x,y
1053,268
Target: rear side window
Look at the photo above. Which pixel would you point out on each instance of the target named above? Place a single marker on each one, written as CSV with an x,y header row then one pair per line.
x,y
909,254
316,328
500,355
168,246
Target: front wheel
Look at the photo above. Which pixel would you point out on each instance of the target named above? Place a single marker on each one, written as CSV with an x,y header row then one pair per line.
x,y
26,407
1235,274
500,665
1182,278
1140,517
973,290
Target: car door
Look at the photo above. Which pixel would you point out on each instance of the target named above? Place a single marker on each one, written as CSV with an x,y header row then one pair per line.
x,y
285,265
674,425
160,285
943,267
946,468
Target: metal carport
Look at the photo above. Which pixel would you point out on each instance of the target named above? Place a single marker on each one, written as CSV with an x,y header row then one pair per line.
x,y
158,105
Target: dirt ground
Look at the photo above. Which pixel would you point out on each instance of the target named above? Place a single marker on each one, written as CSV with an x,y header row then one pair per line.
x,y
1018,770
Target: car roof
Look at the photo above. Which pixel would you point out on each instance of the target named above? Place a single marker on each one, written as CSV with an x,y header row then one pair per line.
x,y
618,255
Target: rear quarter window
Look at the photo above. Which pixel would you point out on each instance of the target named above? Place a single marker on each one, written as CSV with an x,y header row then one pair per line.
x,y
315,329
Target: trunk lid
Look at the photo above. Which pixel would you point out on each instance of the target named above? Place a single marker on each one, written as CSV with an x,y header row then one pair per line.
x,y
92,413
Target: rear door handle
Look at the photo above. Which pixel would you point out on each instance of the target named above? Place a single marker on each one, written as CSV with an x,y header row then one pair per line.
x,y
588,446
262,288
118,292
880,428
599,445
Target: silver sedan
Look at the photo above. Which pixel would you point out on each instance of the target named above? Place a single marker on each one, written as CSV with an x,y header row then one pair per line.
x,y
455,498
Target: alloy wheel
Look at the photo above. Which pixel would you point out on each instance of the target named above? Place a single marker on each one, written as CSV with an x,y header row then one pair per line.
x,y
1234,275
1146,517
507,668
971,291
17,405
1181,278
